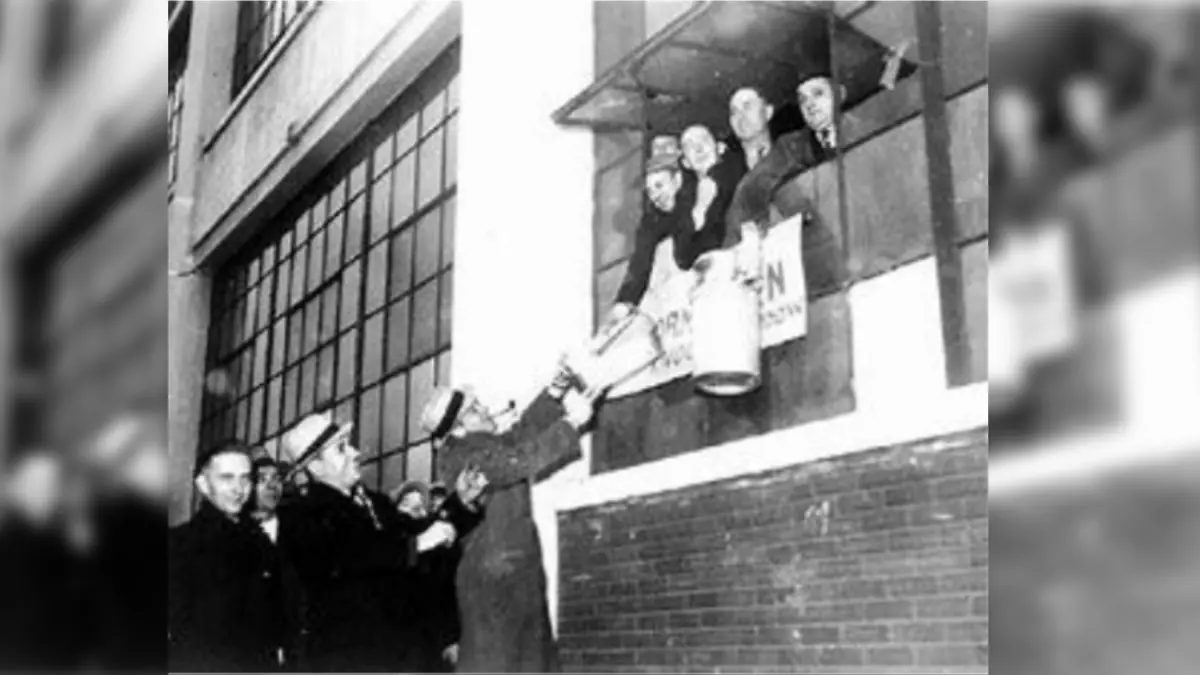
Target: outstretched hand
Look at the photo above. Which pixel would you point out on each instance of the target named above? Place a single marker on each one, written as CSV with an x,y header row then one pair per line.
x,y
470,485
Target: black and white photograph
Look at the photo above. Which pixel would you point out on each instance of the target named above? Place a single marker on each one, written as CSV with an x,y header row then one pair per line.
x,y
613,336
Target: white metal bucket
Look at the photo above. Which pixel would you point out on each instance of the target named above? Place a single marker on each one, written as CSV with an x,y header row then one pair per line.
x,y
726,335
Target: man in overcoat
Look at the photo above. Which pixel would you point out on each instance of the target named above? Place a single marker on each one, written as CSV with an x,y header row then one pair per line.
x,y
500,581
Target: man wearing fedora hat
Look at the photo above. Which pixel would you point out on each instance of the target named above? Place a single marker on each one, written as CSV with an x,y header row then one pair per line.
x,y
501,587
354,557
773,162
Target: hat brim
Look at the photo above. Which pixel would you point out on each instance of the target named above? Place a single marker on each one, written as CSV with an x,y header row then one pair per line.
x,y
343,432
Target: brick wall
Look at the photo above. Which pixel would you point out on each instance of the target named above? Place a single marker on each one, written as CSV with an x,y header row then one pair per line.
x,y
877,561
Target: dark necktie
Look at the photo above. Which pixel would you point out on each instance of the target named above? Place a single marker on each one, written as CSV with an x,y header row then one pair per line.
x,y
360,497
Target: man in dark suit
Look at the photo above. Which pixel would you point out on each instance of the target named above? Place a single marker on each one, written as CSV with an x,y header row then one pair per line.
x,y
275,523
222,585
500,580
438,599
355,559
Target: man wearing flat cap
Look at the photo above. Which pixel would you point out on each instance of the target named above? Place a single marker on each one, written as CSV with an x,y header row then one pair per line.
x,y
686,208
355,559
505,622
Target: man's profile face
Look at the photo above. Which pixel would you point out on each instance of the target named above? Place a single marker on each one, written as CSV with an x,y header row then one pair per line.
x,y
815,97
225,482
699,148
748,114
661,187
338,465
474,417
268,489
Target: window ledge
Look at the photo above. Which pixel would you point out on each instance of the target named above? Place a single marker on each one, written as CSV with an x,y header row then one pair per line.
x,y
260,73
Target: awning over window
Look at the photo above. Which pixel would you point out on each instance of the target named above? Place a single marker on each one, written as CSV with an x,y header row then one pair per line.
x,y
687,71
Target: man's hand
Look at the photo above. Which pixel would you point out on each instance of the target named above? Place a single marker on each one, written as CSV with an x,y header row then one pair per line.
x,y
438,534
706,192
450,654
578,408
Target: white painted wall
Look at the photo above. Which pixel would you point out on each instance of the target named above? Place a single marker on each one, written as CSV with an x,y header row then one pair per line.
x,y
523,256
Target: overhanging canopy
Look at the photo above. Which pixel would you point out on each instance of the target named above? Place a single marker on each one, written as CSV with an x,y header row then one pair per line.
x,y
686,72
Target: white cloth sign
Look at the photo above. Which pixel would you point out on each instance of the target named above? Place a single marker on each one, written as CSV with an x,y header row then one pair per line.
x,y
783,315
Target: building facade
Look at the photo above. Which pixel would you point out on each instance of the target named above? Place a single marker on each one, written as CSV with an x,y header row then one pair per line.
x,y
370,199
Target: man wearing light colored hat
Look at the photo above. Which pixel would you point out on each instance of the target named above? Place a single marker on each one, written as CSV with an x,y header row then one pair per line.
x,y
501,587
355,559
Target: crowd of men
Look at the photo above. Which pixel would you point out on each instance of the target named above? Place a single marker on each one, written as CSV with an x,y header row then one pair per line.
x,y
705,194
294,565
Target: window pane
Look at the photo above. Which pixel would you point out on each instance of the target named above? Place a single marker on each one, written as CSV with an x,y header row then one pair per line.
x,y
354,228
325,374
358,178
428,246
452,151
394,407
250,317
283,281
252,272
351,289
434,111
424,321
299,265
285,244
278,346
368,422
302,227
392,470
240,432
421,387
377,276
268,257
383,157
449,215
254,435
397,335
266,286
420,463
308,377
329,312
333,246
319,213
272,410
401,263
380,200
373,349
296,335
370,475
260,357
452,94
431,167
337,197
406,137
347,363
443,368
312,325
445,307
316,260
403,189
291,387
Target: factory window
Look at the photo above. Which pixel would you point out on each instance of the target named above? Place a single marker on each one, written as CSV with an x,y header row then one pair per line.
x,y
260,26
345,303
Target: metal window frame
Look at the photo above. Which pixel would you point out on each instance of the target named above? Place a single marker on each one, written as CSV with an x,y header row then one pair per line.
x,y
298,224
